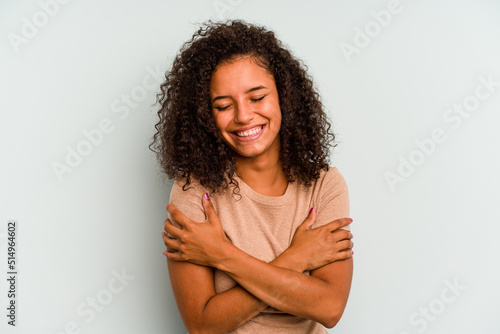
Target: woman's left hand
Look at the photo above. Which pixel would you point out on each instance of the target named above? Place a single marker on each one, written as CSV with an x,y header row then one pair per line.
x,y
201,243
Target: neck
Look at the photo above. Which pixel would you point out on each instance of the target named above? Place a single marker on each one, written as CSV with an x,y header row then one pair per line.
x,y
263,174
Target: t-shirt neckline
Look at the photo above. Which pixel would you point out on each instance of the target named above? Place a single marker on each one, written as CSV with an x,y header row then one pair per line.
x,y
267,200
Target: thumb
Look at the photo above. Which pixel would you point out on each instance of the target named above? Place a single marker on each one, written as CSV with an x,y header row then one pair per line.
x,y
309,221
212,216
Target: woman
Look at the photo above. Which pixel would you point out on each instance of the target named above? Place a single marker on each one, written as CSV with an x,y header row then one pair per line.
x,y
258,238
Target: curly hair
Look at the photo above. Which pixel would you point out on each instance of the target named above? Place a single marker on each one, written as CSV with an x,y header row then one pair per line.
x,y
187,142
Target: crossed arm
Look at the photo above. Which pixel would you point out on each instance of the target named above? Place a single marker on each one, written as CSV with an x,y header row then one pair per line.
x,y
196,249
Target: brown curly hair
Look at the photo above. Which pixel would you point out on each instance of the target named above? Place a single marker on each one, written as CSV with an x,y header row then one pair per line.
x,y
187,143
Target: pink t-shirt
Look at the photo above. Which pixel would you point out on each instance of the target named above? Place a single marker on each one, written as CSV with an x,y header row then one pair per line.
x,y
263,227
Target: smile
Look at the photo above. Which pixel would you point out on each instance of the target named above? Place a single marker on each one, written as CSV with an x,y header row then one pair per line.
x,y
250,132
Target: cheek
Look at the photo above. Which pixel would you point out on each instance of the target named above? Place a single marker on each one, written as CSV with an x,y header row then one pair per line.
x,y
275,111
277,117
221,122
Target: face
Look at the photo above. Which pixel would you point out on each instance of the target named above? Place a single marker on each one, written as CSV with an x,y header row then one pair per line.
x,y
246,108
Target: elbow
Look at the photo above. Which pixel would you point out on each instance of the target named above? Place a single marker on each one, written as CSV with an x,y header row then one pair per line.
x,y
198,323
201,329
331,321
332,317
197,330
192,329
195,327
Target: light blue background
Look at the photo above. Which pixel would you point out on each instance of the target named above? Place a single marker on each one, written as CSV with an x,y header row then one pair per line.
x,y
438,227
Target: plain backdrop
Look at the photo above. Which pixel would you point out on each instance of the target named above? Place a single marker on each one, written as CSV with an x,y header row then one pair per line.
x,y
412,88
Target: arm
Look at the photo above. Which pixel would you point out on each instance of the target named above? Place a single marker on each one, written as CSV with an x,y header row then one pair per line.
x,y
321,297
288,290
201,309
333,201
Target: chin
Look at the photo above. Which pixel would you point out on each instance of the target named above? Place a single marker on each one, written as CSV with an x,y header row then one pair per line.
x,y
247,155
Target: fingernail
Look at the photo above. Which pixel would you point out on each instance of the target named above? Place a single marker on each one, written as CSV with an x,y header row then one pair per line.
x,y
162,233
310,211
352,253
164,253
206,197
166,206
350,219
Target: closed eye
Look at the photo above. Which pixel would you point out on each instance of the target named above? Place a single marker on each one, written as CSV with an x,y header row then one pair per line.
x,y
258,99
222,108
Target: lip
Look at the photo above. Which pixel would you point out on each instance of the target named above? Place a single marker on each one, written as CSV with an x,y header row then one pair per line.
x,y
250,138
247,127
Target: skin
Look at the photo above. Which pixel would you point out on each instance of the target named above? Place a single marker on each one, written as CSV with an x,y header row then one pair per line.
x,y
244,96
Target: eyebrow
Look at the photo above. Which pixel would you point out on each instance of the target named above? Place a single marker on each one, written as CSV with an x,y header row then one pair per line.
x,y
248,91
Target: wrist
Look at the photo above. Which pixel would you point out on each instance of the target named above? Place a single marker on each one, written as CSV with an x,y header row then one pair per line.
x,y
228,253
289,261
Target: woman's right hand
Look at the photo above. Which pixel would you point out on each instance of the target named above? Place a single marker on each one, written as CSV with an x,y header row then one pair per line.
x,y
316,247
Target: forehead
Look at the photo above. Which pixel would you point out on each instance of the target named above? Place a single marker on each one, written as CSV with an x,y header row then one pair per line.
x,y
239,74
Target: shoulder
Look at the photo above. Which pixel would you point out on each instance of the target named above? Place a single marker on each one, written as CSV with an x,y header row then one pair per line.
x,y
181,188
188,198
332,196
331,180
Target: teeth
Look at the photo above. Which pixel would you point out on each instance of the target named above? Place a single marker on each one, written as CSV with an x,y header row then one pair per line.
x,y
249,133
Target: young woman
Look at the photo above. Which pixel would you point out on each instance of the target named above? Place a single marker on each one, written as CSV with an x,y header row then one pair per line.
x,y
258,237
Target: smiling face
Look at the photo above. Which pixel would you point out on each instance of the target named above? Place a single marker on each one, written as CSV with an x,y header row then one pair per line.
x,y
246,108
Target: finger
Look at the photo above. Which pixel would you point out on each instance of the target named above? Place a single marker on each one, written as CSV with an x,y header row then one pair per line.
x,y
175,256
344,255
309,221
338,223
345,245
340,234
174,231
212,216
168,222
172,244
177,215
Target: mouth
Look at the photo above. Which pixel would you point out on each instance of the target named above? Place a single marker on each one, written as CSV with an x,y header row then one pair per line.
x,y
249,134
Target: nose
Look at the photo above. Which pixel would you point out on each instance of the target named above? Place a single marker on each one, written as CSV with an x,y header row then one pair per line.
x,y
243,113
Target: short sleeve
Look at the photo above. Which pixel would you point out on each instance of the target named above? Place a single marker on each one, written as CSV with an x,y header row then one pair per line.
x,y
188,201
332,200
